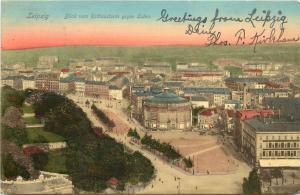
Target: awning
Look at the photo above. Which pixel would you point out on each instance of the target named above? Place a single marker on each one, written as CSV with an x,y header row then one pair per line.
x,y
264,163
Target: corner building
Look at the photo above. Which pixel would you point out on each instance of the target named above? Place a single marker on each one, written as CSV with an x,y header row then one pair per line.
x,y
167,111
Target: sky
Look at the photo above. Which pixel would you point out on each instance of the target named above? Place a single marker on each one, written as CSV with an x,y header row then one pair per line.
x,y
33,24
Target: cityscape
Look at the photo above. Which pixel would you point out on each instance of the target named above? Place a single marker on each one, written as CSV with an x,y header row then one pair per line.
x,y
151,120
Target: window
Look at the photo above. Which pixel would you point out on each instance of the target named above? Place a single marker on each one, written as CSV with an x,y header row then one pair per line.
x,y
282,145
282,153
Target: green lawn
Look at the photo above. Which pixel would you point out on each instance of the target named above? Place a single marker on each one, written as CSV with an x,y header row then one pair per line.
x,y
56,162
32,120
27,109
38,135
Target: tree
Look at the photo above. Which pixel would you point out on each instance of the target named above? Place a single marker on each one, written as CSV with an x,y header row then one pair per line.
x,y
11,97
293,175
265,176
276,173
10,169
16,135
91,159
13,118
40,160
251,185
188,162
133,134
121,186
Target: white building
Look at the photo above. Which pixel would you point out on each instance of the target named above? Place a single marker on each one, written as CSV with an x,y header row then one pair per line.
x,y
79,86
28,82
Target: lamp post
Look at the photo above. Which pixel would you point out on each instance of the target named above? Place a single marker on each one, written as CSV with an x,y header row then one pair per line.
x,y
178,184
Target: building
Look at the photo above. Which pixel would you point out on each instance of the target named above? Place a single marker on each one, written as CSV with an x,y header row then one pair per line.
x,y
47,81
7,81
66,85
117,87
216,96
97,89
28,82
271,139
233,104
253,72
207,118
167,111
238,83
19,82
79,83
211,76
138,95
264,66
200,101
242,115
47,61
158,67
227,119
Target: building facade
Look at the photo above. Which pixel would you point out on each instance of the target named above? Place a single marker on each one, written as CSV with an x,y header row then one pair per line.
x,y
265,139
167,111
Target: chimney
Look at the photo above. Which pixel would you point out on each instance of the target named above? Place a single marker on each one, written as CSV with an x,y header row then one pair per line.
x,y
166,89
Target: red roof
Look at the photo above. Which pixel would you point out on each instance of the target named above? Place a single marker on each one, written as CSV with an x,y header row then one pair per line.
x,y
77,73
208,112
112,181
78,66
65,70
249,114
28,151
25,71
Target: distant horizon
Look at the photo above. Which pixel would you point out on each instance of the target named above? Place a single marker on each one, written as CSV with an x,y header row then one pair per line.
x,y
134,46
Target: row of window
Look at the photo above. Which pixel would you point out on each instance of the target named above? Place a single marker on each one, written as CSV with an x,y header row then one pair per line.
x,y
279,153
281,137
281,145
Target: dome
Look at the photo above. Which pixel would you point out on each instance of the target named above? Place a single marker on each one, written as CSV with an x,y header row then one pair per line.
x,y
167,98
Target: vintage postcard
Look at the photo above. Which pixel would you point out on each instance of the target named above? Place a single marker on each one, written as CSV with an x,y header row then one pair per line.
x,y
150,97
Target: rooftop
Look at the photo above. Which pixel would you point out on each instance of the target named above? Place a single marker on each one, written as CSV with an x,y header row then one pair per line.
x,y
199,98
167,98
206,90
208,112
287,106
247,79
96,82
272,125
